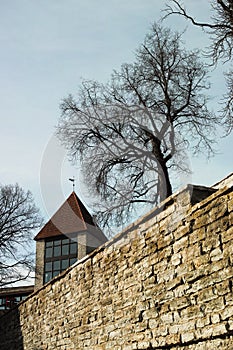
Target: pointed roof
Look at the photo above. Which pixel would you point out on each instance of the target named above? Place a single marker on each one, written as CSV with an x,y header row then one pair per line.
x,y
71,217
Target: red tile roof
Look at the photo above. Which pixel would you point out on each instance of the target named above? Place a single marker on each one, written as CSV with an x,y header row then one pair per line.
x,y
71,217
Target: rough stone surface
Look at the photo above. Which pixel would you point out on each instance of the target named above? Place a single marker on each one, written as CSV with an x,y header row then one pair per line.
x,y
164,283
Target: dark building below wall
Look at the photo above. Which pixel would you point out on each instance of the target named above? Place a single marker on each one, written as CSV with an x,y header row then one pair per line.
x,y
12,296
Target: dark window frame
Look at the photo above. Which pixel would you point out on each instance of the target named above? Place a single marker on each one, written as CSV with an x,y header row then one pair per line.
x,y
56,263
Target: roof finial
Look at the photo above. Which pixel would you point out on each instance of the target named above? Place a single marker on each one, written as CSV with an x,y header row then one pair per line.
x,y
73,180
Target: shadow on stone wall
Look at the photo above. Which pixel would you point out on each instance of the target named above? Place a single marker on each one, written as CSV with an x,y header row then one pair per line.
x,y
10,324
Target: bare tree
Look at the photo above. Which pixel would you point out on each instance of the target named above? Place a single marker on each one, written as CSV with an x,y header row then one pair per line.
x,y
132,132
18,218
220,30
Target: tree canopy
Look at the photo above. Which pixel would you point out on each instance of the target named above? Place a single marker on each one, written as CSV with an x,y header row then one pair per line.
x,y
131,132
19,217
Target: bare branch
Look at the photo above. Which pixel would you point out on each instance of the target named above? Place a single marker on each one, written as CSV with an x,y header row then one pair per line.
x,y
130,132
19,217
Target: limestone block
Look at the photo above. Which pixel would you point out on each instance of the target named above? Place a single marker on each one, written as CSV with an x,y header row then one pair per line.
x,y
187,337
230,204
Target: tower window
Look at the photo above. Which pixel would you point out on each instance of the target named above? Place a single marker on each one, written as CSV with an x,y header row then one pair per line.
x,y
60,253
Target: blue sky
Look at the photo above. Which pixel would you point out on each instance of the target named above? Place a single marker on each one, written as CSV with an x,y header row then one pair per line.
x,y
47,46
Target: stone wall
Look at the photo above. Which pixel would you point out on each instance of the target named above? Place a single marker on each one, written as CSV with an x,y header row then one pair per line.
x,y
164,283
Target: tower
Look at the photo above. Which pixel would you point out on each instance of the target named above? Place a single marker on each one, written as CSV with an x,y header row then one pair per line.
x,y
68,236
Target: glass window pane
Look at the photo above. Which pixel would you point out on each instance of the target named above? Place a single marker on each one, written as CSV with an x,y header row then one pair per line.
x,y
55,273
72,261
2,303
73,248
48,266
48,277
57,242
65,250
65,264
48,244
48,252
65,241
57,251
57,265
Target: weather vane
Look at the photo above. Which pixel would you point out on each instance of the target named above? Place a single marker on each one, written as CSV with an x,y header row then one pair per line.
x,y
73,181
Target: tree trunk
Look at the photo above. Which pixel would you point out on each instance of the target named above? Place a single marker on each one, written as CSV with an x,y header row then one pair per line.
x,y
164,184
